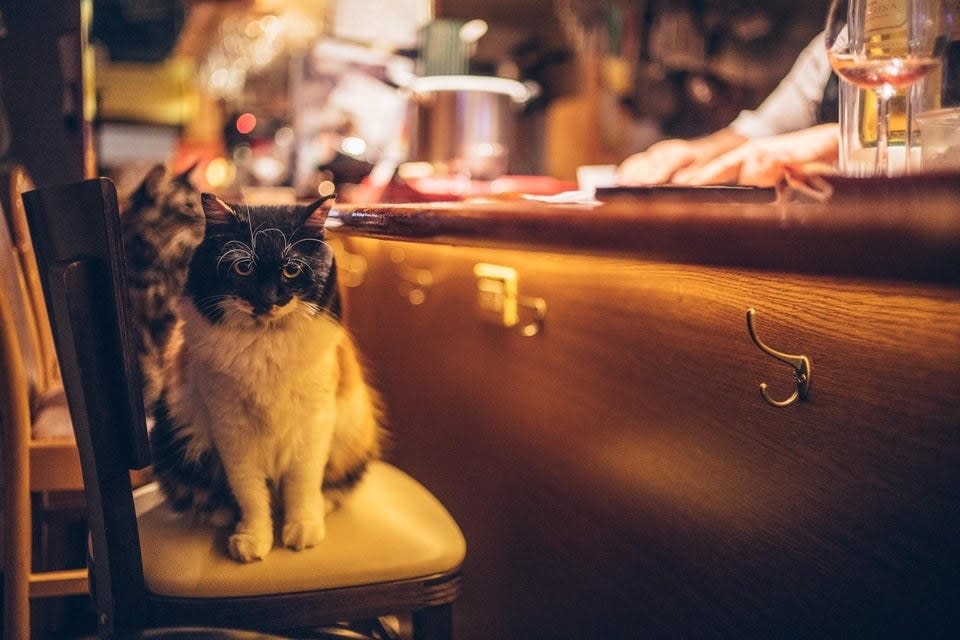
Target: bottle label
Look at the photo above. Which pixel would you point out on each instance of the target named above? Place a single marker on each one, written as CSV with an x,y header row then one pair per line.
x,y
884,16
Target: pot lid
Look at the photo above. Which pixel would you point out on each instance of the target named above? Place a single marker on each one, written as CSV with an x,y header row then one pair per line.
x,y
517,91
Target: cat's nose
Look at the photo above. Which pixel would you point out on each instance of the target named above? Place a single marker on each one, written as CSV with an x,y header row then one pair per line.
x,y
270,301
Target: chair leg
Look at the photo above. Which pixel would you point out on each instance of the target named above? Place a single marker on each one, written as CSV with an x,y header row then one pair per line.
x,y
17,517
433,623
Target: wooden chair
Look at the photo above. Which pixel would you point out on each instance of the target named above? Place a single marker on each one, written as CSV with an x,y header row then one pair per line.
x,y
41,465
391,549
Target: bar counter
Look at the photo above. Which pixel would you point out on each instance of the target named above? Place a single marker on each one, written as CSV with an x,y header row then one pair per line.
x,y
907,228
580,386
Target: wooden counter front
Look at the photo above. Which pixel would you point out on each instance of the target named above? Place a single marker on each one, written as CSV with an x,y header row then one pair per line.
x,y
617,475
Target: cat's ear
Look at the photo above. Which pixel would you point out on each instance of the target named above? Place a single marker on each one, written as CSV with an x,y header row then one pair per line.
x,y
149,189
184,176
216,210
314,215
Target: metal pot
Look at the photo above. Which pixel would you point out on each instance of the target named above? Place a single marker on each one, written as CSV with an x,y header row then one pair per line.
x,y
465,124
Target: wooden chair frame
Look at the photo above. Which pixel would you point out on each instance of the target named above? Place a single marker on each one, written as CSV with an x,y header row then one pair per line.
x,y
30,466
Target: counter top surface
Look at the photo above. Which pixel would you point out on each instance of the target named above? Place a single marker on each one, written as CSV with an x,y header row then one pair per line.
x,y
897,229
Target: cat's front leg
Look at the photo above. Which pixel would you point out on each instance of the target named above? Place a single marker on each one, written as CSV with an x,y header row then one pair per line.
x,y
303,507
252,538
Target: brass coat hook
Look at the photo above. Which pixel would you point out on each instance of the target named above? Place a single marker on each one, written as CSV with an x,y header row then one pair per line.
x,y
499,301
802,368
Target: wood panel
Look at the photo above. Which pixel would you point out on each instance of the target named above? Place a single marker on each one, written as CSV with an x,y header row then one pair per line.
x,y
619,474
47,97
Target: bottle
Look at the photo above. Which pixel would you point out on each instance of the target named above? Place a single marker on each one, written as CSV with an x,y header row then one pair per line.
x,y
885,25
937,129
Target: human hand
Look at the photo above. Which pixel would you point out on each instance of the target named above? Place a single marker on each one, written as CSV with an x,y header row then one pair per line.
x,y
657,164
662,160
760,161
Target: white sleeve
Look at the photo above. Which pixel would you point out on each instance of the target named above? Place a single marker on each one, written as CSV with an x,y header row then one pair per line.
x,y
793,104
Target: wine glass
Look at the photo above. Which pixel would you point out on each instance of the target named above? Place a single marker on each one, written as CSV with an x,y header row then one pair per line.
x,y
885,46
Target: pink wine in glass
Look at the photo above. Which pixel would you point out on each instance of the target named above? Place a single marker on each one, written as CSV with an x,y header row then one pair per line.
x,y
897,73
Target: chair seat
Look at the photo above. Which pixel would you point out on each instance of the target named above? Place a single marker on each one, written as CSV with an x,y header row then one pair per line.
x,y
54,459
51,417
389,528
55,465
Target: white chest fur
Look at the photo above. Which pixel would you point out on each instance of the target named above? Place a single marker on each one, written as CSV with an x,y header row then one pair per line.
x,y
272,387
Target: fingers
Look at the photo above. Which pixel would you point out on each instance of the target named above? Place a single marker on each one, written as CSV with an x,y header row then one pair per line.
x,y
761,170
746,165
643,169
657,164
724,169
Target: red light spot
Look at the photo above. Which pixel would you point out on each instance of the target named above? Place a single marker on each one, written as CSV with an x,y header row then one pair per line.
x,y
246,122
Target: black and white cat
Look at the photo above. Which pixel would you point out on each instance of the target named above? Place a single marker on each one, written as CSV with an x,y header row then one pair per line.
x,y
262,404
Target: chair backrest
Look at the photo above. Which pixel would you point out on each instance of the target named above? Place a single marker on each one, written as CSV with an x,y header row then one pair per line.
x,y
14,181
76,233
13,283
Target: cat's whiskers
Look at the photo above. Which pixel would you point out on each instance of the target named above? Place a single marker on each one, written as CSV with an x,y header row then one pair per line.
x,y
238,245
248,211
269,230
256,231
310,308
302,263
236,251
231,308
211,304
292,246
313,310
280,312
238,315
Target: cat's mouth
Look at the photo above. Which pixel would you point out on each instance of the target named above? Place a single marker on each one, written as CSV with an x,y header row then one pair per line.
x,y
243,311
277,312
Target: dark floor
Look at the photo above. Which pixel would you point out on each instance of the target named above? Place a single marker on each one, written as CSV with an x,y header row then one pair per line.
x,y
63,618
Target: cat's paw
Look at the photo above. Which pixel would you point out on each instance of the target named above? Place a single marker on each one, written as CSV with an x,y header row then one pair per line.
x,y
331,503
249,544
302,534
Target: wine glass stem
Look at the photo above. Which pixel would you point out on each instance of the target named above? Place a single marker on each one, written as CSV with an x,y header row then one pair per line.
x,y
913,93
882,163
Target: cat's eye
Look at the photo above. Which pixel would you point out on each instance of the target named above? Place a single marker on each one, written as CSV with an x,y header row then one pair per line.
x,y
243,267
292,270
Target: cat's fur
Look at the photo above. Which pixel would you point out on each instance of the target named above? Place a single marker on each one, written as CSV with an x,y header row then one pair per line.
x,y
262,399
162,225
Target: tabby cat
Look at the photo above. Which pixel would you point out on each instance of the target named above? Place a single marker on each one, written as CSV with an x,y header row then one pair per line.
x,y
162,225
259,401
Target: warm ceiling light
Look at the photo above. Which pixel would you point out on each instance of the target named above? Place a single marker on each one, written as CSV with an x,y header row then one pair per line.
x,y
473,30
246,122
